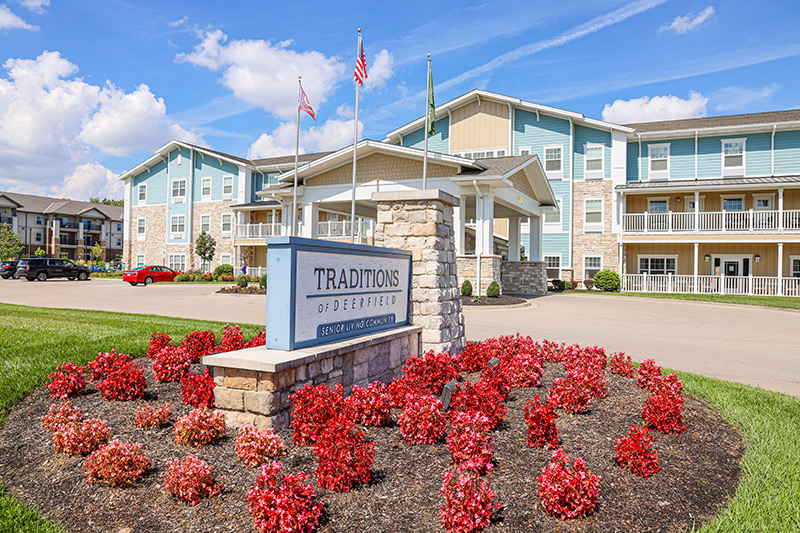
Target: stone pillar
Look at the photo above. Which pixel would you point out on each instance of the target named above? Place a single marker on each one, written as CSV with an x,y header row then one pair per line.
x,y
514,231
422,222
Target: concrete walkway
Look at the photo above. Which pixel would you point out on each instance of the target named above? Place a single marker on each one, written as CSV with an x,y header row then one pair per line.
x,y
753,345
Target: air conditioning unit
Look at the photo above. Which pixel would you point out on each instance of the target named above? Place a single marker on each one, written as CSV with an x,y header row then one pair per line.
x,y
177,236
178,200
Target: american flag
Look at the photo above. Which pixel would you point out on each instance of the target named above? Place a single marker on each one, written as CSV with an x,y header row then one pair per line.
x,y
361,63
305,105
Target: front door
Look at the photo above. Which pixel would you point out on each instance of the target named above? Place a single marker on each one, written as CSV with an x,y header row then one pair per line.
x,y
731,268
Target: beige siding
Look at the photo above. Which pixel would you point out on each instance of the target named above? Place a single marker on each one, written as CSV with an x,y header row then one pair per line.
x,y
380,167
522,184
473,127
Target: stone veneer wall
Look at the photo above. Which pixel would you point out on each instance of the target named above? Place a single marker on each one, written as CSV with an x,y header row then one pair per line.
x,y
490,271
524,277
605,243
250,389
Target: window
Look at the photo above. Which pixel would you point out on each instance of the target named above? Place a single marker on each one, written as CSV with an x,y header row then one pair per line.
x,y
795,273
87,240
227,223
658,265
227,187
554,219
205,223
594,161
178,226
733,204
38,236
592,264
177,262
525,150
659,161
733,157
140,227
225,259
178,191
206,189
689,204
119,226
205,266
119,242
658,205
552,161
763,202
39,220
484,154
142,192
593,215
553,265
139,260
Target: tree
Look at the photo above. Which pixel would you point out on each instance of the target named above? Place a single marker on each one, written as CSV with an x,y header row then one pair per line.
x,y
97,251
205,247
10,245
106,201
39,252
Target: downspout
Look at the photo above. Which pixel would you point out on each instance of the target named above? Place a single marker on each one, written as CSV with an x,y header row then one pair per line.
x,y
449,127
639,176
772,152
571,189
696,155
510,129
478,248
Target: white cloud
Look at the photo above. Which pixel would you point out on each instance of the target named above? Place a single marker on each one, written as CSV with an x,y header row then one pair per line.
x,y
381,69
9,20
646,109
688,22
180,22
280,142
332,134
37,6
87,180
345,111
265,74
741,98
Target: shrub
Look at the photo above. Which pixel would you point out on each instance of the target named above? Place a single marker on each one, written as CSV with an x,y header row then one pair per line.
x,y
259,340
170,364
483,398
564,285
607,280
670,385
344,458
522,369
648,372
542,429
621,365
254,446
66,381
242,281
570,393
223,270
291,506
473,357
466,288
197,390
232,338
422,420
314,407
635,451
191,480
429,374
370,406
493,290
158,341
148,417
199,427
476,299
60,415
105,363
197,344
398,390
663,412
469,443
588,283
116,463
182,277
468,503
567,489
262,282
126,382
80,438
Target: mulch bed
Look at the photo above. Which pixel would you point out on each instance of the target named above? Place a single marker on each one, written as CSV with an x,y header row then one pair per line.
x,y
240,290
503,299
699,471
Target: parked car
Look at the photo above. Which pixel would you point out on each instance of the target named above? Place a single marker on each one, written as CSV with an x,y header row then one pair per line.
x,y
41,268
149,274
8,268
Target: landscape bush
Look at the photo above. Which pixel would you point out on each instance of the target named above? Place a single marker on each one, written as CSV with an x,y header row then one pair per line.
x,y
283,503
429,374
483,397
422,420
635,451
262,282
158,341
147,416
125,382
61,414
105,363
621,364
182,277
197,390
648,372
663,412
200,426
344,457
588,283
571,394
493,290
223,270
254,446
313,408
242,281
565,285
116,463
470,444
669,384
541,419
468,503
66,381
81,438
370,406
191,480
607,280
197,344
473,358
567,489
232,338
398,390
260,339
170,364
466,288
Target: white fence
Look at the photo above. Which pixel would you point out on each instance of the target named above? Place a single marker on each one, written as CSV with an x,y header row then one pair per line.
x,y
256,272
681,284
258,231
712,222
343,228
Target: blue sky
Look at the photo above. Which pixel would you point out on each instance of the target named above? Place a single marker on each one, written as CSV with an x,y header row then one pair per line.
x,y
89,89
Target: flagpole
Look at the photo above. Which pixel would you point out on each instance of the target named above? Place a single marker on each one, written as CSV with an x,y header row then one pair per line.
x,y
427,118
296,158
355,144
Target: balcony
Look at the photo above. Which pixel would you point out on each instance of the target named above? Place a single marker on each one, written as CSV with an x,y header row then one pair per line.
x,y
92,227
68,225
258,231
711,222
738,285
334,229
6,220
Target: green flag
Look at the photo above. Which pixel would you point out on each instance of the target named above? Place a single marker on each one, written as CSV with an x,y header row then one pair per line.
x,y
431,105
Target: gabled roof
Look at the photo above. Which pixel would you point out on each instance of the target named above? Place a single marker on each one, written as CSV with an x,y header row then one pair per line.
x,y
503,168
165,150
288,159
11,200
29,203
748,119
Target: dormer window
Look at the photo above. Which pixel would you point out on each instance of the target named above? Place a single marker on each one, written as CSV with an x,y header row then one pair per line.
x,y
659,161
733,157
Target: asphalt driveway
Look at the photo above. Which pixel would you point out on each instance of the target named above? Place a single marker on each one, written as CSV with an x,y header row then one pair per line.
x,y
753,345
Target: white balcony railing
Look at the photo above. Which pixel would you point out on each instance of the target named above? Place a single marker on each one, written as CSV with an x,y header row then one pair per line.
x,y
738,285
256,272
258,231
712,222
342,228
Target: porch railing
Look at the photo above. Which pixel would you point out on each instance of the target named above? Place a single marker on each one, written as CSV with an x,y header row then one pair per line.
x,y
712,222
258,231
688,284
256,272
343,228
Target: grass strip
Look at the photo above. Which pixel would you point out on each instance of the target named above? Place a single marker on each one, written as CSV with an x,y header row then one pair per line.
x,y
783,302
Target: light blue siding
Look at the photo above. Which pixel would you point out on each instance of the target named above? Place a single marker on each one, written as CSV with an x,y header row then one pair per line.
x,y
156,181
184,169
709,163
561,190
211,167
758,154
584,135
439,142
633,161
787,152
261,181
540,133
556,244
681,159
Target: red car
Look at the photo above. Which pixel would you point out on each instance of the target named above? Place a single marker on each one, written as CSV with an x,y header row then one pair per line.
x,y
149,274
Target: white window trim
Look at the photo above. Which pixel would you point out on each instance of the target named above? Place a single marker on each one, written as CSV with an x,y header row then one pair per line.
x,y
222,259
38,236
178,199
560,265
792,259
140,262
591,256
553,174
206,197
225,234
656,256
171,263
657,199
723,197
733,171
594,174
140,236
594,227
141,187
465,153
657,174
209,222
228,196
523,148
39,220
731,257
554,227
762,196
690,198
177,235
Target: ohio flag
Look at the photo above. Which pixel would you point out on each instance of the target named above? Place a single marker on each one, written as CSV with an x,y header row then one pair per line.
x,y
305,105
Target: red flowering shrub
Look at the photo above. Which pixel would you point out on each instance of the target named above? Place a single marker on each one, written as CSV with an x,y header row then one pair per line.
x,y
116,463
124,382
370,406
314,408
199,427
523,370
259,340
470,444
422,420
573,394
496,378
232,338
429,374
344,458
191,480
254,446
541,418
648,371
663,412
66,381
567,489
468,503
283,503
635,451
670,385
551,351
105,363
80,438
148,417
60,415
481,398
198,389
197,344
621,365
158,341
397,390
170,364
473,357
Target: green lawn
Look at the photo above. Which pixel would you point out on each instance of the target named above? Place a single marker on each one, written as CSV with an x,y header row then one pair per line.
x,y
33,341
785,302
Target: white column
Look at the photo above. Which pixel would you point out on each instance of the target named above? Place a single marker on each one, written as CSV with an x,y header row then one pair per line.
x,y
15,224
514,230
696,210
696,266
780,269
484,223
536,239
286,215
458,225
780,209
310,220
